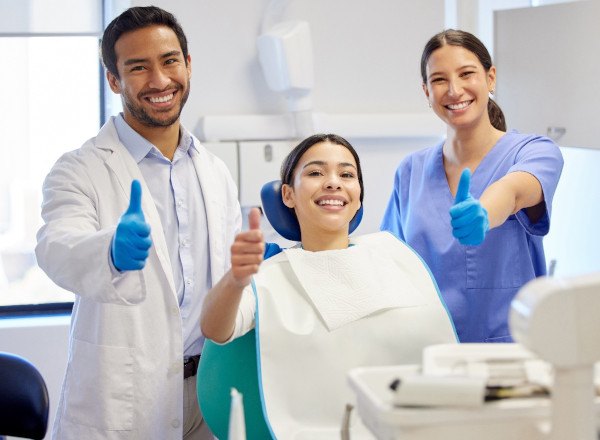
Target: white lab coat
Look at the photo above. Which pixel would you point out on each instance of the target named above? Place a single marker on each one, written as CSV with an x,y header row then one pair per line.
x,y
124,377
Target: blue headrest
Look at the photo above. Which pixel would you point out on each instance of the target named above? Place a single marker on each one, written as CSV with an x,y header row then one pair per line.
x,y
282,218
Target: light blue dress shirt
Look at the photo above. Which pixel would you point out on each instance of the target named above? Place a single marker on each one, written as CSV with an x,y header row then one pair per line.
x,y
178,197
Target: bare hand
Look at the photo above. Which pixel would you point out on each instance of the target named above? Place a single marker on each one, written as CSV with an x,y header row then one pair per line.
x,y
247,251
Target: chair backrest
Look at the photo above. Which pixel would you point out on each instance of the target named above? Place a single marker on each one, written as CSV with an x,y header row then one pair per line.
x,y
282,218
24,403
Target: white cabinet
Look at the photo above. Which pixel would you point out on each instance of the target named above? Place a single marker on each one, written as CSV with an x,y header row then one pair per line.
x,y
228,153
260,163
547,60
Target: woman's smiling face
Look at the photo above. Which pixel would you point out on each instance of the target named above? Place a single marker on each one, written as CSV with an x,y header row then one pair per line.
x,y
458,86
325,193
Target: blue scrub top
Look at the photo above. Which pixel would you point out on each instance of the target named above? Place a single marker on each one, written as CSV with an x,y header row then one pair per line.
x,y
477,282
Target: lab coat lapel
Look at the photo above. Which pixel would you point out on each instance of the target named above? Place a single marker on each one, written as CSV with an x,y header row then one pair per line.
x,y
213,201
126,169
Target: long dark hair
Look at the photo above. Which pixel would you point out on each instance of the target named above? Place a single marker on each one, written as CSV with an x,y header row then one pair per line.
x,y
131,20
470,42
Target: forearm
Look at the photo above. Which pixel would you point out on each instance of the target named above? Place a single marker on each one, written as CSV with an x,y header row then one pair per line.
x,y
220,309
80,262
509,195
499,204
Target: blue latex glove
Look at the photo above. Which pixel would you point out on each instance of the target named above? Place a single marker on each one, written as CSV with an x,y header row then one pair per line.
x,y
469,218
131,242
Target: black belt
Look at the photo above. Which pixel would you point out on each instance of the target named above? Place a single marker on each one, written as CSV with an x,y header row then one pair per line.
x,y
190,366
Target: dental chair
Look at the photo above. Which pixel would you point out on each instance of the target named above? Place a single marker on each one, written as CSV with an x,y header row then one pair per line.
x,y
24,403
234,365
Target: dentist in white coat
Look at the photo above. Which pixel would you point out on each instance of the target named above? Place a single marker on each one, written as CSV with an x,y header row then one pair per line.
x,y
139,256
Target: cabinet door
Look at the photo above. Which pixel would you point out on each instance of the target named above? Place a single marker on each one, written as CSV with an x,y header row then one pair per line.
x,y
548,63
227,152
260,162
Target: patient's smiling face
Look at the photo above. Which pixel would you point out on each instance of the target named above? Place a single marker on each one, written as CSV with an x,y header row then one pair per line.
x,y
325,193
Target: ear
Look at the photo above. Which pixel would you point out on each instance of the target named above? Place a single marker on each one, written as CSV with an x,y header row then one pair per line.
x,y
425,90
287,195
491,78
113,82
189,65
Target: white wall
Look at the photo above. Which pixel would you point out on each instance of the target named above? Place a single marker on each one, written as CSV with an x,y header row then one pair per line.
x,y
366,54
366,60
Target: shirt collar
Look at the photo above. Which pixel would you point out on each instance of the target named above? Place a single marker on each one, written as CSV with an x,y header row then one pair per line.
x,y
139,147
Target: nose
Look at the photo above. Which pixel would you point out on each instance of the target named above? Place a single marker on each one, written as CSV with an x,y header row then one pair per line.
x,y
454,88
333,182
159,79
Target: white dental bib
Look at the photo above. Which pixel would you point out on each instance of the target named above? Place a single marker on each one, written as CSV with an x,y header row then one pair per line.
x,y
320,314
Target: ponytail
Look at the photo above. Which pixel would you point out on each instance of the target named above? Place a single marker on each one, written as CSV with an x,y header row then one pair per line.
x,y
496,115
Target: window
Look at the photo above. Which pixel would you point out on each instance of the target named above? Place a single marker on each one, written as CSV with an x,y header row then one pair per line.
x,y
52,101
52,105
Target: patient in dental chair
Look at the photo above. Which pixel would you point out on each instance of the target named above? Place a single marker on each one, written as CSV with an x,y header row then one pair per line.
x,y
329,304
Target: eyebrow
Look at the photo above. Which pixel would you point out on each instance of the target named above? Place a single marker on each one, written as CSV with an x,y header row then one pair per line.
x,y
323,163
466,66
145,60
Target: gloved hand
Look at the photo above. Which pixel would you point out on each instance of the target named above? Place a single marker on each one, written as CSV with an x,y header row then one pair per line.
x,y
469,218
130,244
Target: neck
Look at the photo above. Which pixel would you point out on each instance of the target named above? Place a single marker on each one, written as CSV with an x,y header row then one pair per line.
x,y
469,146
165,139
325,242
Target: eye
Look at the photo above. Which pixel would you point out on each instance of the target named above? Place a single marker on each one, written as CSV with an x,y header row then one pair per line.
x,y
347,175
137,68
466,74
314,173
171,61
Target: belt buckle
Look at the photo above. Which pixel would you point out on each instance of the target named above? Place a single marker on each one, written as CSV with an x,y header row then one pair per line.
x,y
190,365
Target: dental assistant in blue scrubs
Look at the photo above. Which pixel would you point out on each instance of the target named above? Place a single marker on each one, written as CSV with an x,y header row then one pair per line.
x,y
477,205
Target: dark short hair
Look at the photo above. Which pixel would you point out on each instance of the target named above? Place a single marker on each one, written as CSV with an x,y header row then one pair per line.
x,y
466,40
291,161
137,18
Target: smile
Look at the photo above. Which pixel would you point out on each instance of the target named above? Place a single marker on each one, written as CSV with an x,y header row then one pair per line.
x,y
331,202
459,105
161,99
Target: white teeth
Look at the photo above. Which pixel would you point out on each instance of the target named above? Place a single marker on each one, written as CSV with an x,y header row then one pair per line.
x,y
459,106
331,202
162,98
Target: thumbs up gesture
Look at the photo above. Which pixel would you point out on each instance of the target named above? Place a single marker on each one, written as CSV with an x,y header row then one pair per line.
x,y
469,218
131,242
247,251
